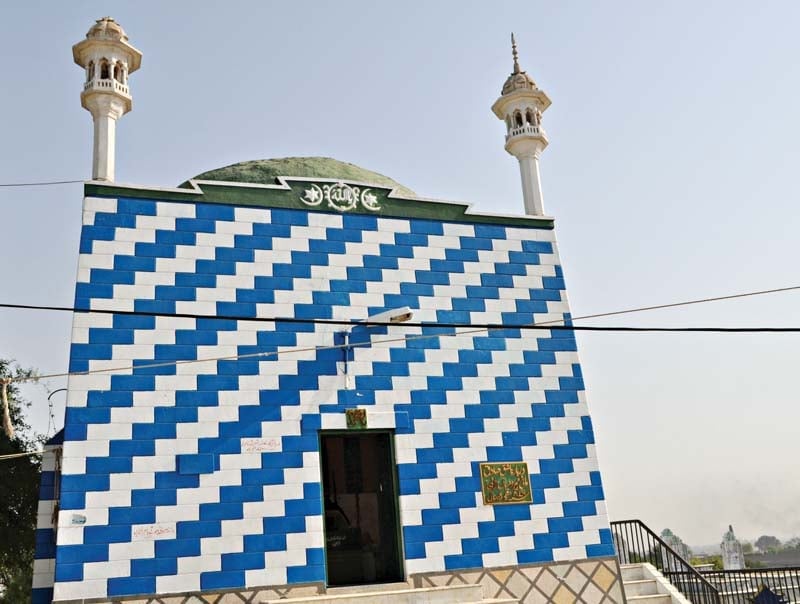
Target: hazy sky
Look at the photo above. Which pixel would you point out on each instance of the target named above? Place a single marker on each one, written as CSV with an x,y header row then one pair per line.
x,y
671,171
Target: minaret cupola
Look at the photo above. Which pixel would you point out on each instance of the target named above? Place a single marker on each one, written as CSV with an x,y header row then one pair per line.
x,y
520,106
108,59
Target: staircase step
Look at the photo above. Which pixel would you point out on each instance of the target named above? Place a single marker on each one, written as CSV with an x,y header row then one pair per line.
x,y
452,594
651,599
632,572
640,587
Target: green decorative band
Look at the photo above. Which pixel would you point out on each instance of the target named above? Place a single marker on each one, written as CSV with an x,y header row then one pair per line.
x,y
507,482
356,419
316,195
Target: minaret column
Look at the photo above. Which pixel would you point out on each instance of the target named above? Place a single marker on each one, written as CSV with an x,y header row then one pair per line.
x,y
105,111
531,184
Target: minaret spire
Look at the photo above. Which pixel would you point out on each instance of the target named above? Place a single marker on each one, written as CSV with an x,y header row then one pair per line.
x,y
521,105
514,53
108,58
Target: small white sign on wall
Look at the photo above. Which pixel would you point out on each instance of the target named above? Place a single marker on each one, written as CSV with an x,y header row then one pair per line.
x,y
151,532
261,445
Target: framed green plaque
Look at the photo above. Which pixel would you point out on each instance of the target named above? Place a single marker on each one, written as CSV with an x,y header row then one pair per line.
x,y
505,482
356,419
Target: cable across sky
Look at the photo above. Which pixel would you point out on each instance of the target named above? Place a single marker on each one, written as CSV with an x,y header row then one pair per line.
x,y
469,328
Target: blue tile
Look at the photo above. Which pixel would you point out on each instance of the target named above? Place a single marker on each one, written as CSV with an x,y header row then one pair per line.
x,y
441,516
464,499
131,448
196,464
109,398
264,543
305,574
412,534
589,493
505,513
495,529
571,451
132,515
154,567
564,525
153,497
177,548
172,238
207,211
42,595
597,551
243,561
129,586
198,529
556,466
68,572
532,556
79,554
109,465
479,546
461,562
83,482
550,540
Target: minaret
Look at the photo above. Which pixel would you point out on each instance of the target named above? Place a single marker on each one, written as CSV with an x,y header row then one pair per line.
x,y
521,105
108,59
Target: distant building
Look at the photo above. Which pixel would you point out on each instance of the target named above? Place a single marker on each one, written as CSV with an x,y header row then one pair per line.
x,y
732,555
677,544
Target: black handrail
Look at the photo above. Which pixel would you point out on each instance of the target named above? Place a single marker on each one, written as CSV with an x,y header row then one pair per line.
x,y
741,586
635,543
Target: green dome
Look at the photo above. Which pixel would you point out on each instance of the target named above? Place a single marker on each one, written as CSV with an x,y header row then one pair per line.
x,y
266,171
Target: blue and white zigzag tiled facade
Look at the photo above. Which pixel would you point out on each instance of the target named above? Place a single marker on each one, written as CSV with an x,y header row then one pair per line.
x,y
160,490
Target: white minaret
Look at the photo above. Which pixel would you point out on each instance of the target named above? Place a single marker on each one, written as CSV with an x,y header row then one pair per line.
x,y
521,105
108,59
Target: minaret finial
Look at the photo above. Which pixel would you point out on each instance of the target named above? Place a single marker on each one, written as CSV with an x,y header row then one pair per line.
x,y
514,53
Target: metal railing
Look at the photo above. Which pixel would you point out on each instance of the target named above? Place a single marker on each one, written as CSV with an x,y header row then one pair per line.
x,y
635,543
741,586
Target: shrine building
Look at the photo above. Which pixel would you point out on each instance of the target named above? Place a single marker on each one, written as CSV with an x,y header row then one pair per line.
x,y
297,379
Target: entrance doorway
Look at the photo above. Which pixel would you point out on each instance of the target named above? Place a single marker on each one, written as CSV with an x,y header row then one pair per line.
x,y
362,542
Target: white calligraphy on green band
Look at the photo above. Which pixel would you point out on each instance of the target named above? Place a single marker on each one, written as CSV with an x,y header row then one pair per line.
x,y
340,197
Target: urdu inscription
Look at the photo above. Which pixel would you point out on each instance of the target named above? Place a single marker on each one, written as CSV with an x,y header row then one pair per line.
x,y
507,482
340,197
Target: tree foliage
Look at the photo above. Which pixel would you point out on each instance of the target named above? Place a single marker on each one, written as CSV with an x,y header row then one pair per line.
x,y
19,494
766,543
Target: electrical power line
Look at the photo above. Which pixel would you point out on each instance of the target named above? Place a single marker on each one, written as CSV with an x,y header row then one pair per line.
x,y
470,328
40,183
339,322
17,455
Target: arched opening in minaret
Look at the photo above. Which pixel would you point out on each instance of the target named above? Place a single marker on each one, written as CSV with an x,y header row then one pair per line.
x,y
518,122
530,117
104,70
90,71
118,72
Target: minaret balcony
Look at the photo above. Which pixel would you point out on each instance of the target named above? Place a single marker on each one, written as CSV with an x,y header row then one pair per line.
x,y
107,85
525,130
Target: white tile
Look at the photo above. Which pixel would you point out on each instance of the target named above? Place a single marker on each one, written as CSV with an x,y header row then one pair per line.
x,y
79,590
105,570
198,564
178,583
221,545
131,550
178,210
